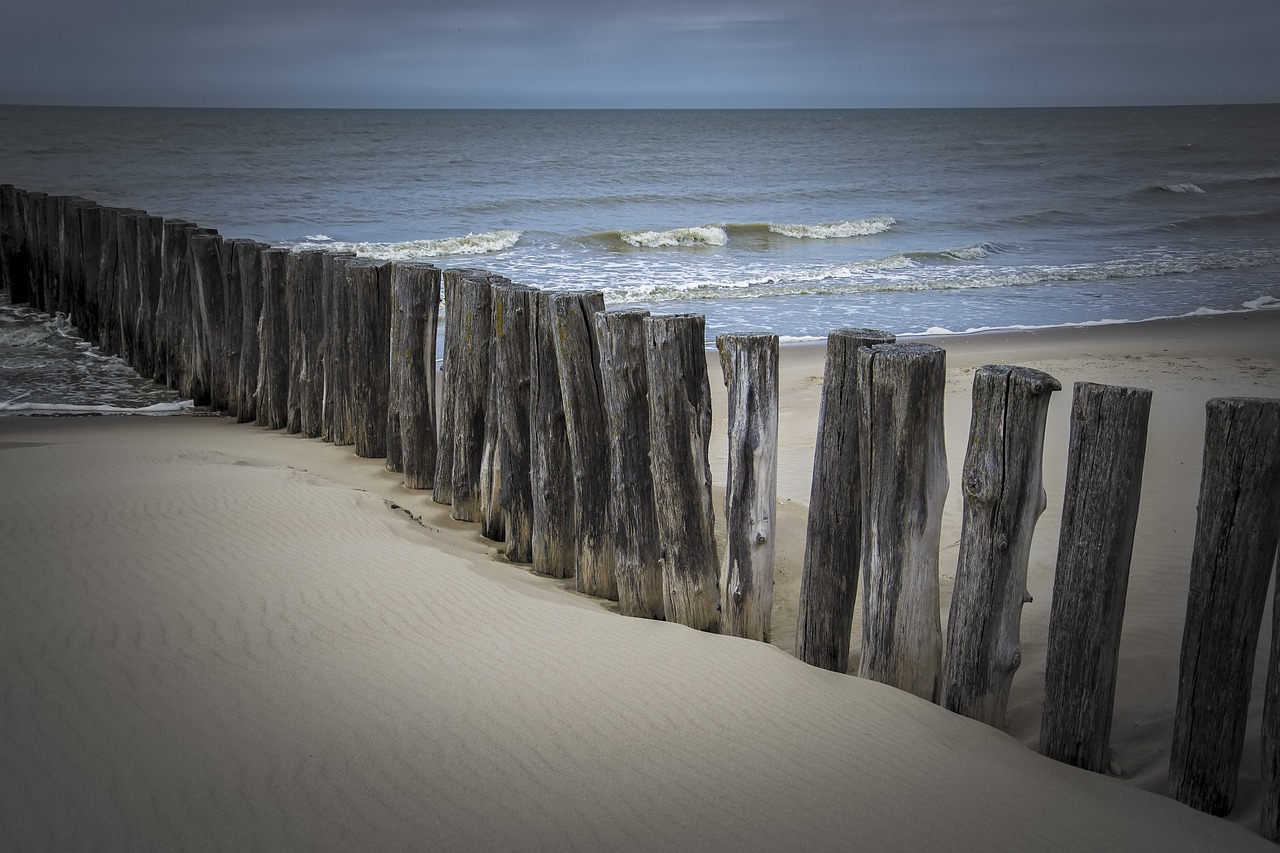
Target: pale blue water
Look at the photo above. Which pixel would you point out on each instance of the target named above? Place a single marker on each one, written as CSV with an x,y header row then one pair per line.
x,y
791,221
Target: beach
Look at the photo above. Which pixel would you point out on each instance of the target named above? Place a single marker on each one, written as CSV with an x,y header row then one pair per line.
x,y
220,637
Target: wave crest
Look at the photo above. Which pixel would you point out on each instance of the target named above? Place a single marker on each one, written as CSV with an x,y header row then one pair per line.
x,y
410,250
703,235
1185,187
836,230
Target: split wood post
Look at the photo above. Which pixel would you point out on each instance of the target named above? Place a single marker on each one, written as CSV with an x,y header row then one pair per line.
x,y
8,237
302,305
679,437
73,258
492,520
107,327
442,486
54,284
577,359
468,377
833,540
1231,565
247,256
273,341
336,409
1003,486
1099,515
33,237
512,330
631,506
551,471
209,291
415,296
750,366
1270,822
904,473
180,319
91,244
370,373
17,273
150,254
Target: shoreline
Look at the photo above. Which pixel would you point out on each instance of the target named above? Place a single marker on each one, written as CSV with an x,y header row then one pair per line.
x,y
422,650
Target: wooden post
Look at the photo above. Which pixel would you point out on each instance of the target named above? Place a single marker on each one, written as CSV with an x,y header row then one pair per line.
x,y
273,341
442,487
833,540
1231,565
551,471
150,255
679,436
491,517
336,409
415,295
631,506
470,387
1003,496
248,269
1099,515
1270,822
904,474
10,241
32,204
578,361
90,318
370,368
750,366
512,329
209,303
302,305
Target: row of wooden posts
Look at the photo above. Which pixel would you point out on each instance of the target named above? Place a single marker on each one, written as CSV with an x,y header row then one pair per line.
x,y
579,437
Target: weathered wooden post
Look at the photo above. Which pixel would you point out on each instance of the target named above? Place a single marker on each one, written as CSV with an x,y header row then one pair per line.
x,y
209,295
1099,515
370,286
8,238
442,488
512,352
1269,825
303,279
273,341
470,387
1231,565
491,517
1003,496
833,540
636,547
750,366
579,364
679,437
32,205
551,471
17,251
411,417
246,255
904,474
90,318
336,411
150,236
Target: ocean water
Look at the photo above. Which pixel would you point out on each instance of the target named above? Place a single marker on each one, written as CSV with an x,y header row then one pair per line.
x,y
795,222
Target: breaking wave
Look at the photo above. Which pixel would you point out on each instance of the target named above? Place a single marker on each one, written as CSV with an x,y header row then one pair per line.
x,y
470,244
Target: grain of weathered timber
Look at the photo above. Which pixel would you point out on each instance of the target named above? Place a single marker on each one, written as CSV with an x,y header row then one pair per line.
x,y
370,285
470,386
620,335
247,256
302,298
577,359
90,318
335,408
492,519
73,258
209,291
1231,564
749,363
111,271
9,230
833,540
150,265
904,474
32,206
442,489
679,436
550,469
1269,825
128,295
512,342
273,340
415,294
1003,486
1099,515
181,319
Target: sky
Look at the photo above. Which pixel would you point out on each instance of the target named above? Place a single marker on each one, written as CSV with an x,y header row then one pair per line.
x,y
659,54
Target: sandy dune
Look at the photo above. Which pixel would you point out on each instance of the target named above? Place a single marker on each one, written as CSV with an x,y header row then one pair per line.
x,y
215,637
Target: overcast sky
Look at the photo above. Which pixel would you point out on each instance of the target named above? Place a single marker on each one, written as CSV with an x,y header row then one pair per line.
x,y
691,53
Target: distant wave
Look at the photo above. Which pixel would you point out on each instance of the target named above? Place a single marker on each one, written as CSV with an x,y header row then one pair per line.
x,y
471,244
722,235
1184,187
702,235
965,253
1223,221
836,230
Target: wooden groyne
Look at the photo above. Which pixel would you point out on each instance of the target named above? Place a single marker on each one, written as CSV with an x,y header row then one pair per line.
x,y
577,438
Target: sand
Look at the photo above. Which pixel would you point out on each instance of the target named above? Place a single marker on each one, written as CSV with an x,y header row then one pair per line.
x,y
216,637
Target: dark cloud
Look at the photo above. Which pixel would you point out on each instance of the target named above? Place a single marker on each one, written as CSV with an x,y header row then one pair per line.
x,y
508,53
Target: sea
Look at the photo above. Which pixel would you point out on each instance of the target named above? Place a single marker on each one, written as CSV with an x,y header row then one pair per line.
x,y
796,222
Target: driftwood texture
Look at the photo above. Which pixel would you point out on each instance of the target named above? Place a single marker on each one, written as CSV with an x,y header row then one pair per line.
x,y
1099,515
550,468
302,294
750,366
273,341
493,524
513,306
442,488
468,376
335,409
578,361
209,290
369,284
833,540
1269,825
620,335
1003,496
679,435
415,296
1234,552
248,264
904,474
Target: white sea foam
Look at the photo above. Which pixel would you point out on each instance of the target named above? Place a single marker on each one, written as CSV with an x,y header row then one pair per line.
x,y
1182,187
703,235
1202,311
836,230
15,407
318,238
970,253
411,250
1262,302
